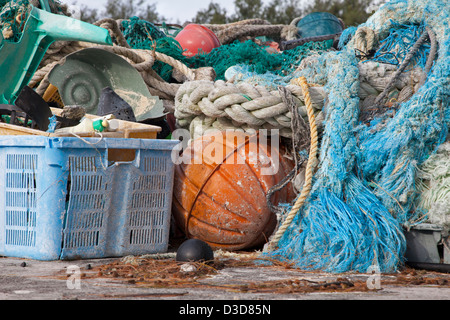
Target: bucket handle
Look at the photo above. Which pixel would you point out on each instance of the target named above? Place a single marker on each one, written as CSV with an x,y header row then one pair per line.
x,y
45,5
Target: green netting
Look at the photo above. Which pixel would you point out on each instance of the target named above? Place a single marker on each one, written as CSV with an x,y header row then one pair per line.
x,y
248,52
142,34
293,57
172,48
13,16
258,59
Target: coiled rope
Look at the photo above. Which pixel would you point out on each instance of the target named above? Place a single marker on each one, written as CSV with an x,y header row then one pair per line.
x,y
203,105
365,39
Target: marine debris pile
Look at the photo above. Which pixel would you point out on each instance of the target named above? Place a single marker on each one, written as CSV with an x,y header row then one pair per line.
x,y
327,147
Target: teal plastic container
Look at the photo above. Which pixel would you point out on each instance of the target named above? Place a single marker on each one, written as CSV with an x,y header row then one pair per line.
x,y
63,198
319,24
19,61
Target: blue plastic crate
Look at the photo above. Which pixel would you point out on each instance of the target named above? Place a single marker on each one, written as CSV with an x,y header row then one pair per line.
x,y
65,198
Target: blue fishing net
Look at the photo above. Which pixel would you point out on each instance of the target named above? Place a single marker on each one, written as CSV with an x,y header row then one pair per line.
x,y
394,48
364,191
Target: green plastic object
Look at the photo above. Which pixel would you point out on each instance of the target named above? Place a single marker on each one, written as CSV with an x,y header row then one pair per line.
x,y
20,60
318,24
82,76
45,5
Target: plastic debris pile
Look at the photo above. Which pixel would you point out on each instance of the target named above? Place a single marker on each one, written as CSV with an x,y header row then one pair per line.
x,y
365,186
379,98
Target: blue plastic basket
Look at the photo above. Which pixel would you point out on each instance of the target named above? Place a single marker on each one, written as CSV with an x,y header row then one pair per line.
x,y
65,198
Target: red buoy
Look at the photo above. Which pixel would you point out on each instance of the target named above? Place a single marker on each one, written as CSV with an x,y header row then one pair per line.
x,y
195,38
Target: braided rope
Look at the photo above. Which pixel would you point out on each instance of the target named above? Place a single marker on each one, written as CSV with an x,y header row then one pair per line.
x,y
241,32
218,27
309,168
113,26
365,39
203,105
227,33
141,60
433,53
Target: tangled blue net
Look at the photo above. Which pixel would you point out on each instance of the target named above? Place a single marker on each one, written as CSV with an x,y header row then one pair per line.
x,y
394,48
364,191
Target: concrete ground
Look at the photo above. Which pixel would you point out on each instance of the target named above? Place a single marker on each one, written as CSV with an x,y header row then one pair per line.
x,y
22,279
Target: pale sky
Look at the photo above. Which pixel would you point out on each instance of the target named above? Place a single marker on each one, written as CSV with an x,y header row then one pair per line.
x,y
183,10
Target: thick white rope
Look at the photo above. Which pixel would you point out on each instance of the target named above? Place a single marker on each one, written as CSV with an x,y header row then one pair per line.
x,y
203,105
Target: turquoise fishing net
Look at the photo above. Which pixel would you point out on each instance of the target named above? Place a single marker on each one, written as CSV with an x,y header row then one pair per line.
x,y
140,34
292,58
258,60
392,152
247,52
364,191
394,48
343,226
285,69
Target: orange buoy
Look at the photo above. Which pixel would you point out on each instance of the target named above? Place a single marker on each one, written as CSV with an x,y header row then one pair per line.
x,y
220,190
195,37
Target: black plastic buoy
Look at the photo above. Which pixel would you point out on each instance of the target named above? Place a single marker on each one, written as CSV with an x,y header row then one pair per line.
x,y
193,250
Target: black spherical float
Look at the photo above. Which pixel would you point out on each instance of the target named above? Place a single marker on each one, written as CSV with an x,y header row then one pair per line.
x,y
194,250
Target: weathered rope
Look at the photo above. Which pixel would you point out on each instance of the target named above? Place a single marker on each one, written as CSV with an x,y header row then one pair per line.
x,y
365,39
433,185
203,105
374,76
141,60
403,66
286,180
301,133
432,55
219,27
113,26
241,30
136,260
312,162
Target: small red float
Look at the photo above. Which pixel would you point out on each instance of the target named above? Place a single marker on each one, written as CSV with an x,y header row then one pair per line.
x,y
195,38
